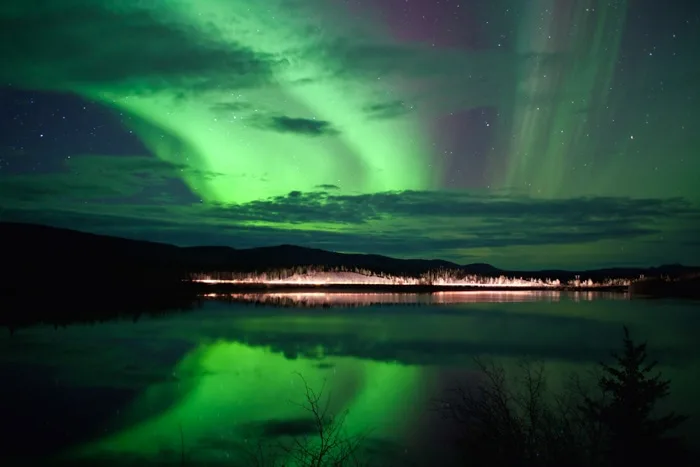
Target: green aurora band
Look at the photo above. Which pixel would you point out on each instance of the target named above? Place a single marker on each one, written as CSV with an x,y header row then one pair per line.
x,y
223,133
357,154
548,134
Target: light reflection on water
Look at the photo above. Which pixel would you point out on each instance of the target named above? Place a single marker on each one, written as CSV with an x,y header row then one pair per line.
x,y
357,299
230,372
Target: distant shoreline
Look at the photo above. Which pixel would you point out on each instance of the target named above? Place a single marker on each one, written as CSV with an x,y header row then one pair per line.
x,y
393,288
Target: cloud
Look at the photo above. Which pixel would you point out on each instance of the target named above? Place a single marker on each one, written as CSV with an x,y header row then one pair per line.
x,y
474,77
231,107
299,126
450,225
388,110
145,184
353,56
276,428
79,43
495,209
93,177
328,186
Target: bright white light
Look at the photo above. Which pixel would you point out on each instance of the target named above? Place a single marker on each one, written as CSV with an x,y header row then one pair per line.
x,y
436,278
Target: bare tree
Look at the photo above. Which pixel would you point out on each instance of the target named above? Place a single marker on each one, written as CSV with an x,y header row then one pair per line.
x,y
260,454
328,446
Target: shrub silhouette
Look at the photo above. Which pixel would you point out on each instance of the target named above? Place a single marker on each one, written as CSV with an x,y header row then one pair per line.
x,y
512,423
519,422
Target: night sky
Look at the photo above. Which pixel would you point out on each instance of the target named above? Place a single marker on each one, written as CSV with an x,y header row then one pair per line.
x,y
525,134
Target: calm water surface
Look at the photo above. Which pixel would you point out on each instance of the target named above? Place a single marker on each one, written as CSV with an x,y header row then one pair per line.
x,y
209,382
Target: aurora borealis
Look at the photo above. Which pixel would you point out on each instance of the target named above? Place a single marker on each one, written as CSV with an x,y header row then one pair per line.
x,y
548,133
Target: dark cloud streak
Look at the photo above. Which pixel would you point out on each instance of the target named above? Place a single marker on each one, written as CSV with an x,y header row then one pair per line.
x,y
398,223
91,178
78,43
388,110
299,126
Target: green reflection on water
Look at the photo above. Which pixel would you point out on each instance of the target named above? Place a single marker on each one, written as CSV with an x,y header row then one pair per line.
x,y
225,373
237,388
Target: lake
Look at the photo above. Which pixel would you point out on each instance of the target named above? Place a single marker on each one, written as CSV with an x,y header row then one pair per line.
x,y
205,386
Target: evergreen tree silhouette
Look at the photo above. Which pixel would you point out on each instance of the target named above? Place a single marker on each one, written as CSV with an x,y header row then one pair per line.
x,y
633,435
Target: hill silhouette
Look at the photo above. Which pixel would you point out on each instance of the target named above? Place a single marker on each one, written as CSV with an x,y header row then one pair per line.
x,y
57,276
38,252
